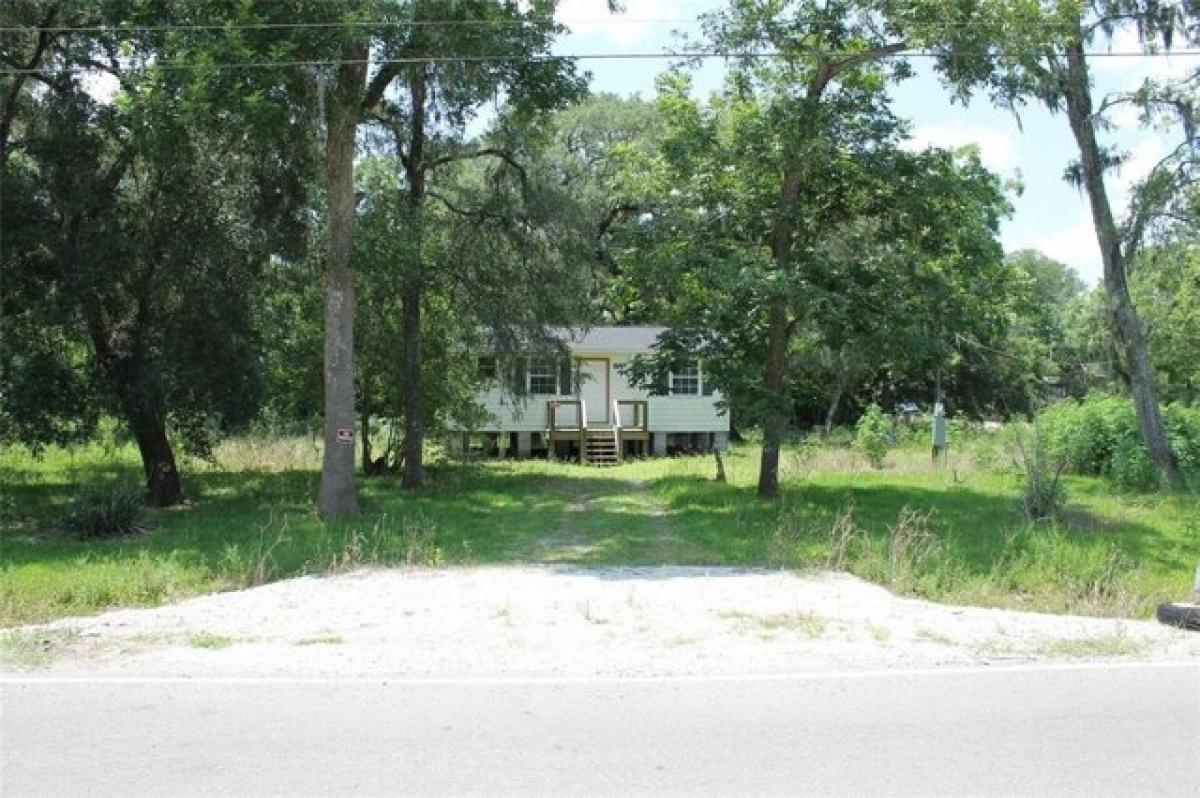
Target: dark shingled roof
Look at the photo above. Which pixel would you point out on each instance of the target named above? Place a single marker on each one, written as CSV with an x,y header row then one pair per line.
x,y
610,339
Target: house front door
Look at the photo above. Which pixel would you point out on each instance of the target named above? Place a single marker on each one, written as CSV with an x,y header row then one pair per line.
x,y
593,389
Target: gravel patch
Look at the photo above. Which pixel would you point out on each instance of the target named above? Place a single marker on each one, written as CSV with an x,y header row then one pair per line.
x,y
551,621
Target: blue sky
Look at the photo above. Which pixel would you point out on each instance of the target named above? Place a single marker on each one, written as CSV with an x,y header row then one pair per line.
x,y
1049,215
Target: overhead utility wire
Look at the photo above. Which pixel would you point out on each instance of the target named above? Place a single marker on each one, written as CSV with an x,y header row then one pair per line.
x,y
962,24
345,23
389,23
549,57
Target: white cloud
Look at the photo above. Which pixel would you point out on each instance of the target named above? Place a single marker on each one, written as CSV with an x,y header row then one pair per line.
x,y
1125,116
1142,157
1074,245
1128,72
997,146
641,20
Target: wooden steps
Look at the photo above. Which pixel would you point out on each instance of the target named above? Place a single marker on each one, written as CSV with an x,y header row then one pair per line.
x,y
600,447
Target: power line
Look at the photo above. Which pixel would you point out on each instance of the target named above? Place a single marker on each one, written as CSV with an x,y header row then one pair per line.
x,y
616,19
346,23
541,58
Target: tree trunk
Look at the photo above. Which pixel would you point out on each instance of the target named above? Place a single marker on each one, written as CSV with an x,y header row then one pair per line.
x,y
414,426
1120,304
365,431
336,497
163,486
834,402
144,416
779,333
410,299
776,418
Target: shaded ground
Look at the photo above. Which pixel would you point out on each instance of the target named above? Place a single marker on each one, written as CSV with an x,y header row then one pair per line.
x,y
588,535
250,521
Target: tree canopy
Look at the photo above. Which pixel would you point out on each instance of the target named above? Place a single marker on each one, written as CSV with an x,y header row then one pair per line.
x,y
219,213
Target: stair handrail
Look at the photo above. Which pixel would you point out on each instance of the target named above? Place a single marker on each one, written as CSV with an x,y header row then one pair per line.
x,y
616,411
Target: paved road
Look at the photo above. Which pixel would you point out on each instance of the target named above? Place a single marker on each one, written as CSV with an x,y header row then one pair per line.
x,y
1093,730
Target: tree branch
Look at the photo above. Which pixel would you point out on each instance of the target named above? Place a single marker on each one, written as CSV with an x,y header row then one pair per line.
x,y
486,152
378,85
468,213
9,112
851,61
614,213
827,70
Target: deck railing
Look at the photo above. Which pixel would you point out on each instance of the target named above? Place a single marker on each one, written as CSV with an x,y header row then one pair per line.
x,y
616,414
630,421
641,413
554,428
554,423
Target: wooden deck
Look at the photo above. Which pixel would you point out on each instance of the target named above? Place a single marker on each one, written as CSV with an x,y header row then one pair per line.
x,y
599,444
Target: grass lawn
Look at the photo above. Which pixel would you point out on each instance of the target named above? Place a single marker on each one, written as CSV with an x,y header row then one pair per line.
x,y
951,534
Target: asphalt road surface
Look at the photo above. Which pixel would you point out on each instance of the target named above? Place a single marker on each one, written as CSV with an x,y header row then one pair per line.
x,y
1096,730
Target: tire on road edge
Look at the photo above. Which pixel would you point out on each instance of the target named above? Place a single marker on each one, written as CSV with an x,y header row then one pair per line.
x,y
1185,616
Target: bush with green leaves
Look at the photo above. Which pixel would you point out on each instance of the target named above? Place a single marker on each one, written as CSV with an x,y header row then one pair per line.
x,y
105,511
1099,435
1183,430
872,435
1131,468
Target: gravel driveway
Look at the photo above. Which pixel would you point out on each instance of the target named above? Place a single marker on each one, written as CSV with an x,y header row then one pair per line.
x,y
569,622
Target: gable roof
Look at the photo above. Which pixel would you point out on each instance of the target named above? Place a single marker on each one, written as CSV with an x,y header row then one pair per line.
x,y
633,338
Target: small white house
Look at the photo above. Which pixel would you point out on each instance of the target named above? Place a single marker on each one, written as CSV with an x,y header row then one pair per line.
x,y
583,406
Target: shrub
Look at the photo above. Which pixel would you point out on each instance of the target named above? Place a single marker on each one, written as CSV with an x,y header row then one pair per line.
x,y
871,435
1131,468
1100,436
1183,429
1084,435
105,511
1042,493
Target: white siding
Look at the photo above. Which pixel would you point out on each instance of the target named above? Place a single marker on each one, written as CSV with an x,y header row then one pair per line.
x,y
520,414
666,413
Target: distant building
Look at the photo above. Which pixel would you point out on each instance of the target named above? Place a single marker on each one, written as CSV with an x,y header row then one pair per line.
x,y
583,406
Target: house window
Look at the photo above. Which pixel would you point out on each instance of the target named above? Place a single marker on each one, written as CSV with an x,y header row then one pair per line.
x,y
487,368
686,380
543,377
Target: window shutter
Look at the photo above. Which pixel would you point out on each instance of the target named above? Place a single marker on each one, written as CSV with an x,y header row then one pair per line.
x,y
520,385
564,377
662,385
706,386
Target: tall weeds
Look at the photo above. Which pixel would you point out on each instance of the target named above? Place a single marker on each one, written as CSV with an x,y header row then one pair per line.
x,y
1042,492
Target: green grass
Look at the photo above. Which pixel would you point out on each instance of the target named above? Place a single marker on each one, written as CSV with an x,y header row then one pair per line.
x,y
1111,645
29,650
805,624
949,534
1116,644
210,641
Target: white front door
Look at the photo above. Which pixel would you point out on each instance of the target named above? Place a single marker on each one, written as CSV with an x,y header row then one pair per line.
x,y
593,389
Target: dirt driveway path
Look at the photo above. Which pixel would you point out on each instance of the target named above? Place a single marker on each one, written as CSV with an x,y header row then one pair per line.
x,y
589,532
567,621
